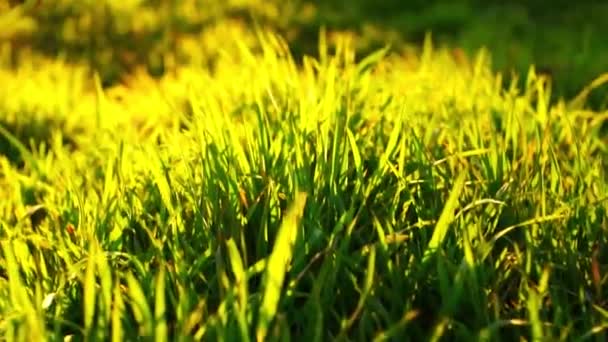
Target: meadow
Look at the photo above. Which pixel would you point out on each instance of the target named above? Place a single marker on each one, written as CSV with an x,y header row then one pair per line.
x,y
245,193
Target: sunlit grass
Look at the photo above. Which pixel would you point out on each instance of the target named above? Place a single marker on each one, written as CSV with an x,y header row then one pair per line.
x,y
395,197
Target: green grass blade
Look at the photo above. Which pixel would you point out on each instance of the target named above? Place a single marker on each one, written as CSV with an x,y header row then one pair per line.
x,y
355,150
446,218
160,314
240,287
277,267
367,287
139,304
239,271
104,273
117,312
90,291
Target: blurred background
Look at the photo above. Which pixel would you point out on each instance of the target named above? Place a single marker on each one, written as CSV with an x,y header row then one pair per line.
x,y
566,40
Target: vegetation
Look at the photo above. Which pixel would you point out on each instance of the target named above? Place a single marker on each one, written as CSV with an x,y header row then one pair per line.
x,y
239,192
565,40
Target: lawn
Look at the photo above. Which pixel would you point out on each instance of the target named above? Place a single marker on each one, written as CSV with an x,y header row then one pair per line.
x,y
226,188
565,40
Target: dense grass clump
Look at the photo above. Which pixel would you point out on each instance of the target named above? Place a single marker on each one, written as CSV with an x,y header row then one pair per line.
x,y
395,197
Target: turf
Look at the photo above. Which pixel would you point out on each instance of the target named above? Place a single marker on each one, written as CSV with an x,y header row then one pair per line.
x,y
389,197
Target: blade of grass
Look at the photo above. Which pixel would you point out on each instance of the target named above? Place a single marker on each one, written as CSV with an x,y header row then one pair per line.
x,y
367,287
117,312
140,306
240,287
446,218
160,314
277,266
90,292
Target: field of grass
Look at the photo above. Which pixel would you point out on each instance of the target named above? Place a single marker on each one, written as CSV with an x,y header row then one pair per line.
x,y
260,196
565,39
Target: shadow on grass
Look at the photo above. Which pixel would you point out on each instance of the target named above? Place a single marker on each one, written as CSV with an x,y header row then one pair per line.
x,y
30,136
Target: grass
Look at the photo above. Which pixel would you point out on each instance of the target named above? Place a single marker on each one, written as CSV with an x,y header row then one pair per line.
x,y
565,40
395,197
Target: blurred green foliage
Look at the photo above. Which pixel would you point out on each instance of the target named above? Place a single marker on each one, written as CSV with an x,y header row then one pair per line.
x,y
564,39
117,37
